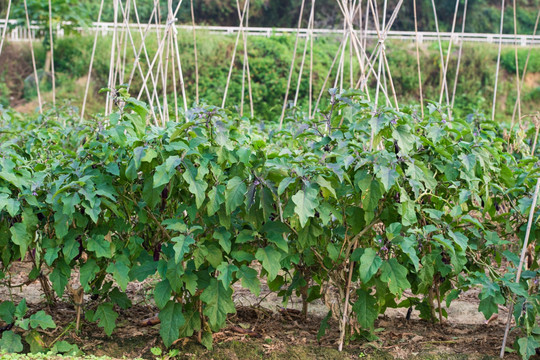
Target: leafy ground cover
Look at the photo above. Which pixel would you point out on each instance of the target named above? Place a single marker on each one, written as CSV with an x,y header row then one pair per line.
x,y
362,209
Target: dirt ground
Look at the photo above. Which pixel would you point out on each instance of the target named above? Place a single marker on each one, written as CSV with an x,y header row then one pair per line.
x,y
278,334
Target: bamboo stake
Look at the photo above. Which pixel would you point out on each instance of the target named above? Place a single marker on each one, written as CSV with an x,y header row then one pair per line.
x,y
418,59
110,84
195,53
517,66
520,266
459,53
380,55
137,63
5,28
91,64
33,58
159,50
327,78
310,21
179,66
311,62
525,66
165,74
444,85
292,66
498,63
52,57
445,68
246,60
234,54
174,85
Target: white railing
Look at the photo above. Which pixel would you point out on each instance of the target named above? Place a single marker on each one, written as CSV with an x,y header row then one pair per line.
x,y
21,33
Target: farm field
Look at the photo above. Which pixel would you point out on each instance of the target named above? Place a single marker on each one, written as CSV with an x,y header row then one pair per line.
x,y
360,181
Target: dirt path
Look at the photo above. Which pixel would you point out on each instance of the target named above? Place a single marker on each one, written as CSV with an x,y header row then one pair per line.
x,y
277,334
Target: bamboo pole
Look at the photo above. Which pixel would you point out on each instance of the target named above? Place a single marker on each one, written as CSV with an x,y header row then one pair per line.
x,y
525,66
52,56
195,53
520,266
459,53
418,59
36,77
445,68
517,67
4,32
91,64
110,83
292,66
498,63
311,64
302,63
234,54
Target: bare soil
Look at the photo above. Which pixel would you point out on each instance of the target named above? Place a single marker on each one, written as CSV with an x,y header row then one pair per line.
x,y
275,333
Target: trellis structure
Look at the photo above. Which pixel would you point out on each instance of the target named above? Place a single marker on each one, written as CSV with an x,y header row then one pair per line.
x,y
158,70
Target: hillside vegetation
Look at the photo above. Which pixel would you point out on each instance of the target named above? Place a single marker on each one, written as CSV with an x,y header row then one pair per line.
x,y
269,60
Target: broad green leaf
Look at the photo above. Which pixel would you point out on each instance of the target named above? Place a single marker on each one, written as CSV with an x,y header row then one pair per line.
x,y
527,346
284,184
226,273
100,246
21,237
50,255
489,305
306,202
371,196
166,171
88,273
234,194
409,245
7,311
11,342
218,303
43,320
395,275
407,211
181,247
11,205
172,320
326,186
196,186
366,309
60,277
224,238
468,161
370,263
249,279
120,273
216,197
70,249
162,293
405,138
107,317
461,240
270,259
388,177
120,298
33,338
